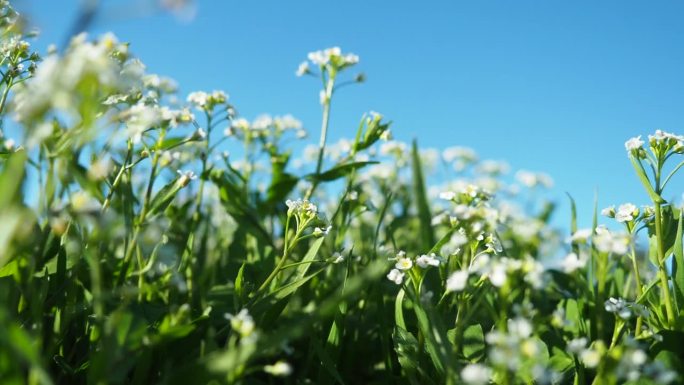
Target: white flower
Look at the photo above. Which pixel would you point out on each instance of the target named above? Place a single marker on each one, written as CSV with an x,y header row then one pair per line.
x,y
337,257
626,212
279,369
242,322
303,69
447,195
590,358
618,306
396,276
607,242
497,275
321,232
404,264
608,212
185,177
424,261
577,345
457,281
198,98
476,374
519,327
634,143
572,262
580,235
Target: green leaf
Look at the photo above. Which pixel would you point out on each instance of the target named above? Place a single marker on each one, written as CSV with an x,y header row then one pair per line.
x,y
641,173
678,261
420,198
338,171
473,343
163,198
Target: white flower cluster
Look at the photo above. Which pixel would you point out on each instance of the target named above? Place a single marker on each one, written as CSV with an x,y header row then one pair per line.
x,y
55,82
301,208
603,239
331,58
242,323
265,125
207,101
403,264
626,212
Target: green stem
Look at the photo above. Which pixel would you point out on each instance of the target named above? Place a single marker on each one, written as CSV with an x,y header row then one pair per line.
x,y
639,290
662,270
324,131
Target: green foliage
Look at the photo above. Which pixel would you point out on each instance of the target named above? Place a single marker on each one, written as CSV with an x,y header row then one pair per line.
x,y
133,250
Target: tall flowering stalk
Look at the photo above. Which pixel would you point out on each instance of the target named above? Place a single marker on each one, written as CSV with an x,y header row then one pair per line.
x,y
662,145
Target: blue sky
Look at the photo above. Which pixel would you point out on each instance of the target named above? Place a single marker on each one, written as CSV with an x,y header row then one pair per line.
x,y
553,86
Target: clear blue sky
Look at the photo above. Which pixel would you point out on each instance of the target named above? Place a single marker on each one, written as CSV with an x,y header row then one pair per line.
x,y
555,86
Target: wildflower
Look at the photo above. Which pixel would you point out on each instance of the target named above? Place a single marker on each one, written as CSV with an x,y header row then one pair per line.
x,y
396,276
626,212
301,208
590,358
337,257
607,242
242,322
279,369
634,144
618,306
476,374
303,69
321,232
608,212
425,261
185,177
457,281
404,264
572,262
577,345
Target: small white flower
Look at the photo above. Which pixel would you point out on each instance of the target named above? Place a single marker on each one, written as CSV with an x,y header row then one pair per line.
x,y
498,276
186,177
577,345
303,69
321,232
591,358
580,235
404,264
634,143
447,195
337,257
457,281
626,212
608,212
242,322
572,262
396,276
619,307
279,369
476,374
425,261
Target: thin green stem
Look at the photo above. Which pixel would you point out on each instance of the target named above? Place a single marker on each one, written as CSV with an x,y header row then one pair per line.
x,y
662,270
329,85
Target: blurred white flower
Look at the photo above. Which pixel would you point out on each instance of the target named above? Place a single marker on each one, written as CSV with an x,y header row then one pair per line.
x,y
404,264
634,143
396,276
476,374
279,369
425,261
457,281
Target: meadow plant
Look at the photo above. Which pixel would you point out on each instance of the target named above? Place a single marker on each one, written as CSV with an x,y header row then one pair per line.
x,y
134,248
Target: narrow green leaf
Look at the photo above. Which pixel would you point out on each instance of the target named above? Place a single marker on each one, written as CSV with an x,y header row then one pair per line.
x,y
338,171
420,198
